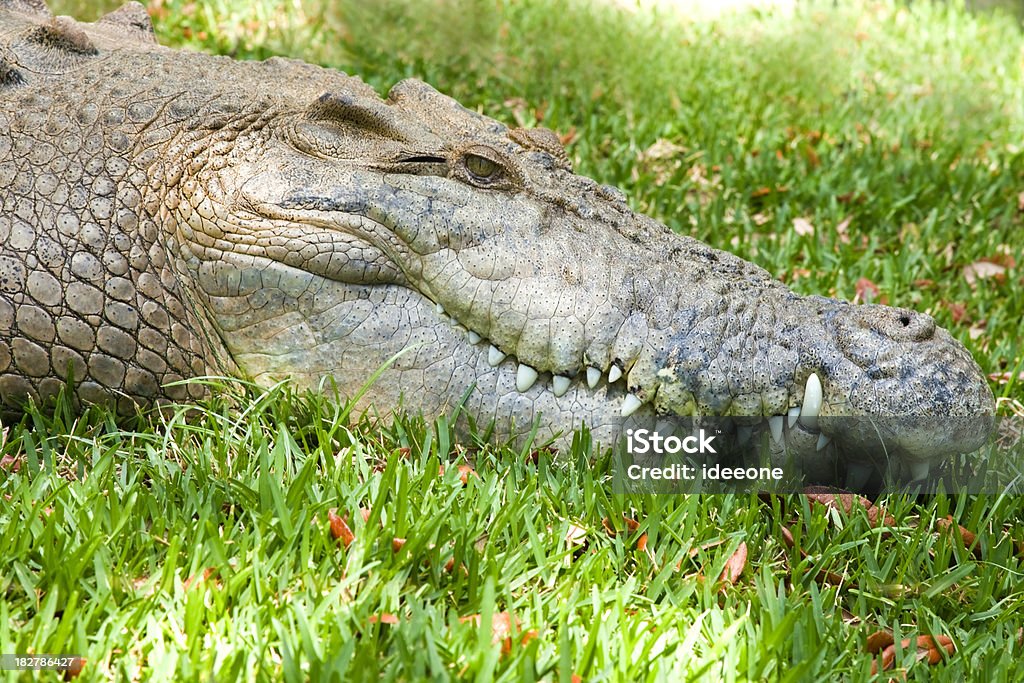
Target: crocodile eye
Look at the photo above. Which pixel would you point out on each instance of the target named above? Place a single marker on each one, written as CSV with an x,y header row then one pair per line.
x,y
482,169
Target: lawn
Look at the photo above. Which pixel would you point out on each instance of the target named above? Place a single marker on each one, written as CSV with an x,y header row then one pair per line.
x,y
870,151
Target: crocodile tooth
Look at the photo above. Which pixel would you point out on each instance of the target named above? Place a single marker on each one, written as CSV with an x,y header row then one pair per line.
x,y
857,475
474,338
630,405
593,377
823,440
775,425
494,356
560,385
614,374
812,402
525,377
919,470
439,308
793,414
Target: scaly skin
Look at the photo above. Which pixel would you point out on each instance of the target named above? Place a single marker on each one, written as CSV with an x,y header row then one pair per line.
x,y
168,215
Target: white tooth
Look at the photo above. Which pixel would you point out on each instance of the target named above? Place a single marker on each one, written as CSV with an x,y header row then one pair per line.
x,y
593,377
630,405
919,470
525,377
775,425
439,308
614,374
823,440
560,385
494,356
474,338
793,414
857,474
812,402
743,434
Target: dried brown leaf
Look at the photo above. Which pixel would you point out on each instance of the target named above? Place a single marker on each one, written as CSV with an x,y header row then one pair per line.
x,y
764,191
449,567
803,227
465,471
878,641
813,160
787,537
983,270
74,668
966,536
958,311
631,526
735,565
866,292
501,629
340,529
888,657
384,618
1003,257
927,649
843,229
845,502
197,578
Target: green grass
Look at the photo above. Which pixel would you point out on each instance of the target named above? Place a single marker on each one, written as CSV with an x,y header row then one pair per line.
x,y
896,133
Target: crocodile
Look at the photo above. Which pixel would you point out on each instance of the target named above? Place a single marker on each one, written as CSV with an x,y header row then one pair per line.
x,y
169,215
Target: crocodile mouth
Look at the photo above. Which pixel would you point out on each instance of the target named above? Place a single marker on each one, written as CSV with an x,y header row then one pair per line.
x,y
828,447
620,390
799,430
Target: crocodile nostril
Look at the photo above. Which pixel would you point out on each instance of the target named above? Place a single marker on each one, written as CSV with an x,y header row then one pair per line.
x,y
914,326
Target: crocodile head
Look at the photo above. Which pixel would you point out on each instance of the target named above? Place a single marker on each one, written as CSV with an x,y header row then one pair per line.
x,y
329,237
